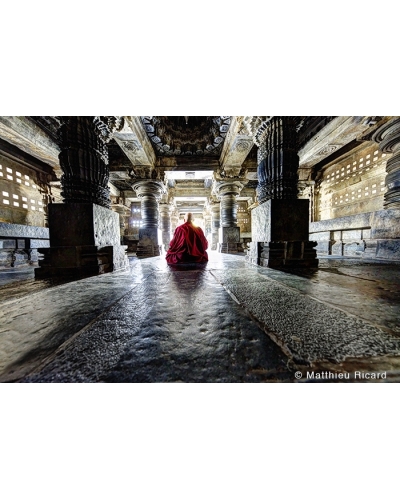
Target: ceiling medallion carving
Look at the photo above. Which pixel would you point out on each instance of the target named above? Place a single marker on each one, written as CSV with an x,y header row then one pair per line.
x,y
187,135
132,145
328,149
243,145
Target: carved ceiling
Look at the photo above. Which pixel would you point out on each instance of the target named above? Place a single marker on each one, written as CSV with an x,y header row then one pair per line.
x,y
187,135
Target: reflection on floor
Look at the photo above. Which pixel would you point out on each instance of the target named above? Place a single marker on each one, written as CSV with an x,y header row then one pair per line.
x,y
228,321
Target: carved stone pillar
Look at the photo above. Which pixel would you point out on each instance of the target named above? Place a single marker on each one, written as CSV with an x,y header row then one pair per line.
x,y
280,224
215,224
174,221
207,224
84,160
229,232
149,192
165,224
134,221
388,138
277,159
84,233
118,206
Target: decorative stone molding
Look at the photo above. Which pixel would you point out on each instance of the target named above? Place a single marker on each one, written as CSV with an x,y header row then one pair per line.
x,y
230,172
106,126
237,146
388,138
253,123
134,142
328,149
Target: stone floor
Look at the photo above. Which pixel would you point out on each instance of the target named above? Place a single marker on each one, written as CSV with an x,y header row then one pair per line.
x,y
227,321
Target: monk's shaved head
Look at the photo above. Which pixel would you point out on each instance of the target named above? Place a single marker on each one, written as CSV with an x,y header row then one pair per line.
x,y
189,217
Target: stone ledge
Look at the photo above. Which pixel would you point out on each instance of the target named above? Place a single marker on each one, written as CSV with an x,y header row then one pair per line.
x,y
22,231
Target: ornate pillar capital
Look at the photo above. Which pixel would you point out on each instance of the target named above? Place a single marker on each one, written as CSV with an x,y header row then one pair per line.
x,y
149,188
106,126
228,187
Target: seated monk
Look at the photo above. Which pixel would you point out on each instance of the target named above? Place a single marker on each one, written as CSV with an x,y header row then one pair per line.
x,y
188,244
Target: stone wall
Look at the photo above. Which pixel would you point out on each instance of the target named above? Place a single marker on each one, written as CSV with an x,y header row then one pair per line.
x,y
353,185
19,244
367,235
20,199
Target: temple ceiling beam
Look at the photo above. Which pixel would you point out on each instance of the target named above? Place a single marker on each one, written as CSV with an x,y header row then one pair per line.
x,y
237,146
23,133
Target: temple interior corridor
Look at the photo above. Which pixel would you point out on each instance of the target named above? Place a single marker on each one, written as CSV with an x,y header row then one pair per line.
x,y
226,321
272,371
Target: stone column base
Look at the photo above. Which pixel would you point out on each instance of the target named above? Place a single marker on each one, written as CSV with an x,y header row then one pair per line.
x,y
229,238
84,241
288,254
148,243
81,261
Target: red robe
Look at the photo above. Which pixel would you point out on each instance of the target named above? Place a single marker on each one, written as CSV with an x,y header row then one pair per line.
x,y
188,245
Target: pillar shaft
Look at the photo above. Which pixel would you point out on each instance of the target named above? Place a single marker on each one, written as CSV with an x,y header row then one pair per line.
x,y
149,192
174,221
165,224
84,162
228,210
207,224
278,161
215,224
227,193
388,138
229,232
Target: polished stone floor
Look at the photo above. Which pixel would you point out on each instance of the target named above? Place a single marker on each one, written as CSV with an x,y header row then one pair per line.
x,y
227,321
